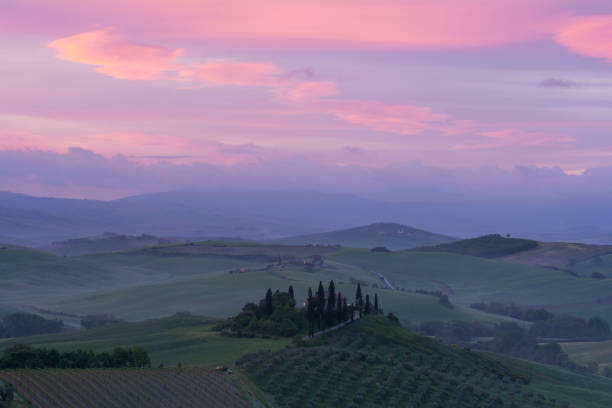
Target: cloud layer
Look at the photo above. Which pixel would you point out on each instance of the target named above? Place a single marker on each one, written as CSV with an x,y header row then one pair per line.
x,y
360,85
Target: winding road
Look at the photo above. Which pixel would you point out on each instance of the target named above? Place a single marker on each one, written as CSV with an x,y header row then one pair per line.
x,y
384,279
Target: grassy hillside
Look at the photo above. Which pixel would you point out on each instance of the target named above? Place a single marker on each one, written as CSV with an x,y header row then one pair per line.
x,y
107,242
581,259
389,235
488,246
216,279
211,279
583,353
180,338
468,279
377,363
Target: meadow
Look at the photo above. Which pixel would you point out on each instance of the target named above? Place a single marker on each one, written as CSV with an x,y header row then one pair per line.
x,y
181,339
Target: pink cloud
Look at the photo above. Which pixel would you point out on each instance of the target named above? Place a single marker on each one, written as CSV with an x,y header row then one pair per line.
x,y
379,116
121,59
590,36
308,91
116,57
512,137
226,72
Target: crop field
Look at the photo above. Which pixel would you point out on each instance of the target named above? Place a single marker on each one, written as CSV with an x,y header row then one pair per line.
x,y
101,388
375,364
188,340
599,352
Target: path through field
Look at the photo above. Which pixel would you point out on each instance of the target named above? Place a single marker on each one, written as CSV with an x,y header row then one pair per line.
x,y
384,279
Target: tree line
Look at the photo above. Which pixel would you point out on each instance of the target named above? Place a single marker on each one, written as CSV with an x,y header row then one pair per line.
x,y
547,325
28,324
22,356
275,314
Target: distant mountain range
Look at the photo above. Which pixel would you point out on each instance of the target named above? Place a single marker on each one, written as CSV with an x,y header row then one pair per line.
x,y
389,235
267,215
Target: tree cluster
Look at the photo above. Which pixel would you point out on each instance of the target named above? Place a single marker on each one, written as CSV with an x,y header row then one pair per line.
x,y
510,338
274,315
547,325
28,324
570,327
22,356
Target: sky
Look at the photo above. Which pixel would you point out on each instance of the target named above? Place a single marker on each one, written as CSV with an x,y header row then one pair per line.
x,y
103,99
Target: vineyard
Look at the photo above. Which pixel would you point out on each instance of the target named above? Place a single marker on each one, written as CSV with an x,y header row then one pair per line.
x,y
361,369
101,388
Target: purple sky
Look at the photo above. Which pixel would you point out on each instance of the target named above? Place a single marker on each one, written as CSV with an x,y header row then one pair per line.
x,y
103,99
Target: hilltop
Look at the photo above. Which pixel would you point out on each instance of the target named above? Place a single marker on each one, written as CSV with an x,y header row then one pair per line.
x,y
107,242
390,235
487,246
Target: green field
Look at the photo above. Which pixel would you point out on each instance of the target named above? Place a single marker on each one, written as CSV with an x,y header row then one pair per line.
x,y
599,352
179,339
149,284
471,279
581,259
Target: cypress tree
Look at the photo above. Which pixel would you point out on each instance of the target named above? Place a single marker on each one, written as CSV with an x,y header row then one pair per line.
x,y
291,292
311,313
352,312
320,303
345,312
376,303
339,311
358,300
269,305
331,303
367,305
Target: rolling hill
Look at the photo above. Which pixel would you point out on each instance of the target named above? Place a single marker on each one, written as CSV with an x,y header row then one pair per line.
x,y
488,246
107,242
376,363
582,259
209,278
389,235
585,260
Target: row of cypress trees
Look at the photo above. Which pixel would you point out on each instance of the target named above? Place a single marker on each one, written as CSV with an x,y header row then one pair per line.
x,y
333,309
